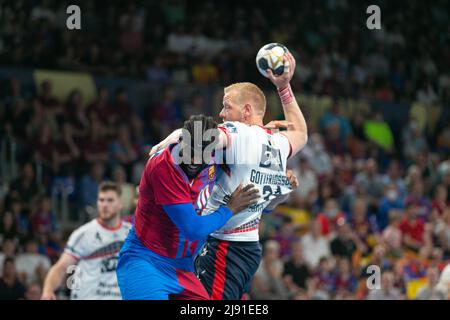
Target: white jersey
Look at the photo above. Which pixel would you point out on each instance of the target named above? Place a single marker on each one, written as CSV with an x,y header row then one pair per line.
x,y
96,248
253,155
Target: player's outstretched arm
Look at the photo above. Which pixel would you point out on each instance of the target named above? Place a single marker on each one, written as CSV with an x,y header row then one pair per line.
x,y
56,275
297,131
183,215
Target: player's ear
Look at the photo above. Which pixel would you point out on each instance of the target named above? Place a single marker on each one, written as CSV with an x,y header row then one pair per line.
x,y
248,110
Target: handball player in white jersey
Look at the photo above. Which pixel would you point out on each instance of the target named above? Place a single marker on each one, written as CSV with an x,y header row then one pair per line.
x,y
231,255
91,253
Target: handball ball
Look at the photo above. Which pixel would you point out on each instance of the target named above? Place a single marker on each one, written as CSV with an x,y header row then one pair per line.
x,y
270,56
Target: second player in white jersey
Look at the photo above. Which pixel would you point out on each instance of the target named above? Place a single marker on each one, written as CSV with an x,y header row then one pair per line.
x,y
96,249
257,156
90,257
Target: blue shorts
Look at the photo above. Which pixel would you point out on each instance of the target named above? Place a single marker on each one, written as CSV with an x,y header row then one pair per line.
x,y
145,275
226,268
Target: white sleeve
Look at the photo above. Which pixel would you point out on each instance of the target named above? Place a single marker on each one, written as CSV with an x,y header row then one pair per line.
x,y
238,141
283,145
76,244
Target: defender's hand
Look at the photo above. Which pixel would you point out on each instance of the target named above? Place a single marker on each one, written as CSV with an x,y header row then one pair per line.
x,y
243,197
277,124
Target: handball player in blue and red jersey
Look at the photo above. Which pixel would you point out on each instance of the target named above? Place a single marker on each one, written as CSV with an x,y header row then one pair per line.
x,y
156,261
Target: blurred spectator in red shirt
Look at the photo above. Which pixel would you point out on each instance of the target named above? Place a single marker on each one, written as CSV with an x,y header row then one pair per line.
x,y
413,228
43,219
440,205
329,217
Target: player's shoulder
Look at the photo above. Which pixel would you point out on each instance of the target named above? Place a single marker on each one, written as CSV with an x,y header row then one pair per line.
x,y
163,162
88,226
82,231
234,126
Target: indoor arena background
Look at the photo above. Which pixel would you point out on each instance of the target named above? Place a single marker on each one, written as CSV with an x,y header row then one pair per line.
x,y
81,106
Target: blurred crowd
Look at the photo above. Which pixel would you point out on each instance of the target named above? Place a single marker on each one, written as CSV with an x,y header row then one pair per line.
x,y
183,41
363,200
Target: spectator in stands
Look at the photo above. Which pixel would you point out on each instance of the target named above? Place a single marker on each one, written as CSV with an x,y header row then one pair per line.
x,y
34,291
267,282
8,251
308,178
360,224
346,242
393,175
442,232
285,236
326,275
122,150
66,153
43,146
25,188
387,290
95,147
317,156
413,228
440,205
47,98
346,282
413,140
32,266
8,226
296,270
390,202
371,181
99,109
315,246
392,235
417,197
430,291
76,115
89,185
121,109
329,217
42,218
10,286
128,190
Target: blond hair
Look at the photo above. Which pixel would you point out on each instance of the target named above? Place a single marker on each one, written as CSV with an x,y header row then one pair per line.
x,y
247,92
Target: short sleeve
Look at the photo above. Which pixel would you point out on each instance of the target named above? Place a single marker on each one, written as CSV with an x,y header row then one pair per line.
x,y
75,245
169,185
283,145
238,139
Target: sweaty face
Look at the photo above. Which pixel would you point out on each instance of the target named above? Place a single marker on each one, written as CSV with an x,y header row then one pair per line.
x,y
231,111
109,205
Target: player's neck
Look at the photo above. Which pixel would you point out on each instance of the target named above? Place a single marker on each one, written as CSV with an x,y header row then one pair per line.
x,y
111,224
254,121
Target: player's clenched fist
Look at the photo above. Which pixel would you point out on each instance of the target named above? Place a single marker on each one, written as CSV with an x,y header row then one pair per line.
x,y
243,197
283,80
